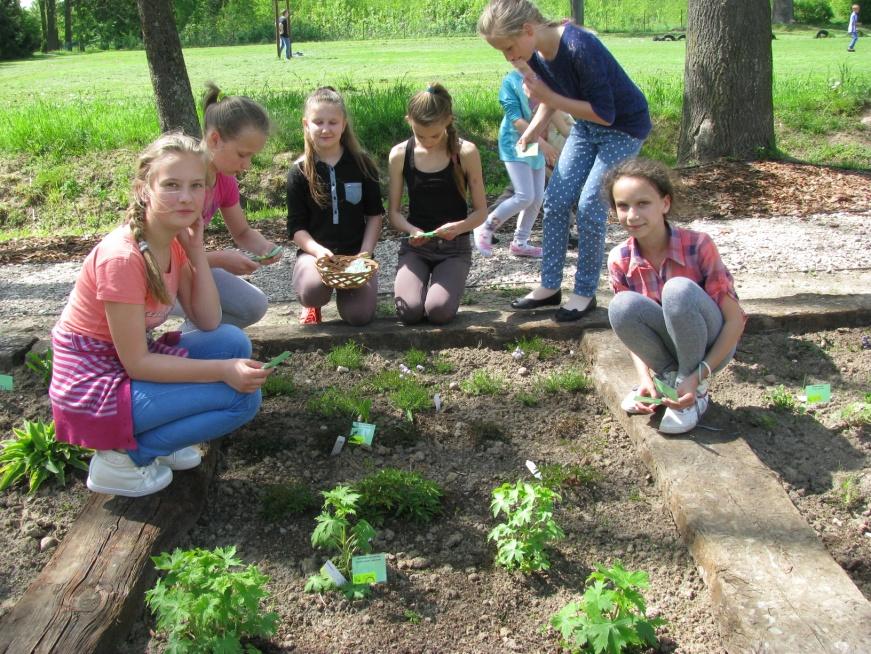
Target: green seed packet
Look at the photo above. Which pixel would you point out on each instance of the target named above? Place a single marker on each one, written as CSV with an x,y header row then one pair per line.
x,y
664,388
6,383
644,399
818,393
369,569
275,361
362,433
263,257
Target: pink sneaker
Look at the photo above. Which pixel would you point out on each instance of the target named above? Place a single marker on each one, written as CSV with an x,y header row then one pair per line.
x,y
525,250
484,240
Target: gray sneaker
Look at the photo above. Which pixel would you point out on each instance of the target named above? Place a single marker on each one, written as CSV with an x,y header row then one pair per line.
x,y
115,473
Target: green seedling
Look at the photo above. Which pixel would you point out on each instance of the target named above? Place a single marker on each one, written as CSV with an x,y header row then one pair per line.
x,y
40,364
35,454
533,344
349,355
571,381
412,616
528,399
557,476
780,398
528,526
611,617
385,380
207,602
276,385
410,398
276,360
362,406
341,531
442,366
332,403
282,500
414,357
482,383
857,414
849,492
400,494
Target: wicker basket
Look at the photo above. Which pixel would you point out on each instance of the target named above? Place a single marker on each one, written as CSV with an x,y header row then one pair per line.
x,y
332,270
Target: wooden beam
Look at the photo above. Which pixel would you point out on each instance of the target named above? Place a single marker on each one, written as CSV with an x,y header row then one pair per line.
x,y
92,589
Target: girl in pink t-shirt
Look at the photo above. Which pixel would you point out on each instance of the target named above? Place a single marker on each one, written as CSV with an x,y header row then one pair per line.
x,y
143,403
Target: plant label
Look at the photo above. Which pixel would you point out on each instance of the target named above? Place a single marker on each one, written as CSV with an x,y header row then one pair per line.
x,y
664,388
644,399
6,383
362,433
530,151
369,569
330,570
275,361
818,393
437,401
337,448
533,469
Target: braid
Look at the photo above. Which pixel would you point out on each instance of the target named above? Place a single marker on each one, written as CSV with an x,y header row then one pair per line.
x,y
153,274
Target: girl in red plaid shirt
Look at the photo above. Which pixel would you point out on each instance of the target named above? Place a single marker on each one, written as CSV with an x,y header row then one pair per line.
x,y
674,304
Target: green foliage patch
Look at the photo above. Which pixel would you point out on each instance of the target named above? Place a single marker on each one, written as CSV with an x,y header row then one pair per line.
x,y
41,364
349,355
399,494
35,454
482,382
571,381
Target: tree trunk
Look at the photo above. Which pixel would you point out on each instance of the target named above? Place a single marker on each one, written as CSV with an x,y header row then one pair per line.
x,y
51,40
727,102
781,12
578,11
68,25
169,77
43,42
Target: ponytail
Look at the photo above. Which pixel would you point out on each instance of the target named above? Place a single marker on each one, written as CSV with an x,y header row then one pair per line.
x,y
435,105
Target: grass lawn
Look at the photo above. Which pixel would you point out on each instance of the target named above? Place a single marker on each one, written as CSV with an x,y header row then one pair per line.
x,y
59,110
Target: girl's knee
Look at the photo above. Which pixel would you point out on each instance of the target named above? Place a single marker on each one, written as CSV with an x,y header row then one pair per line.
x,y
409,313
677,291
234,340
248,405
622,307
441,313
358,318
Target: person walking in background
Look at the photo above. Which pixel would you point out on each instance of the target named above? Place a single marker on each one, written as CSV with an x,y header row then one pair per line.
x,y
440,170
853,29
567,68
284,34
334,206
142,403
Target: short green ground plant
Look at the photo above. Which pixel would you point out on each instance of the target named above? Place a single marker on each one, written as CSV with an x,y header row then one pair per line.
x,y
411,616
341,531
410,397
848,491
858,414
33,453
573,380
385,380
400,494
528,399
278,385
282,500
41,364
780,398
611,617
333,402
482,382
557,476
534,344
349,355
208,602
414,357
528,526
442,366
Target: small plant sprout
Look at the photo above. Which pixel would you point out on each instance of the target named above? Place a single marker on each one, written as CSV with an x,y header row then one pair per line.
x,y
557,476
414,357
278,385
528,399
780,398
528,345
342,532
410,398
442,366
398,494
34,453
206,603
385,380
571,381
349,355
611,617
362,407
857,414
412,616
40,364
332,403
848,491
482,383
528,526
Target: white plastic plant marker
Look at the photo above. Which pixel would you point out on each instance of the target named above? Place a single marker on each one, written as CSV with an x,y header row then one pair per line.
x,y
337,448
420,368
518,354
437,401
533,469
334,573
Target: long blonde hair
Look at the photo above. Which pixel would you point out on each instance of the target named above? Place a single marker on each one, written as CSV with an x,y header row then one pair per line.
x,y
505,18
149,160
329,95
435,105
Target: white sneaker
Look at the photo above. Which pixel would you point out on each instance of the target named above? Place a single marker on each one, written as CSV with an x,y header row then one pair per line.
x,y
183,459
680,421
115,473
628,403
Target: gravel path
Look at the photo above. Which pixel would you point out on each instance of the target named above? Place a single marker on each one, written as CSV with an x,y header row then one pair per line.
x,y
755,250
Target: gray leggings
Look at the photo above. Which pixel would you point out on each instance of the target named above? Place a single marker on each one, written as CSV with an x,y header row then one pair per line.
x,y
242,304
430,279
676,335
356,306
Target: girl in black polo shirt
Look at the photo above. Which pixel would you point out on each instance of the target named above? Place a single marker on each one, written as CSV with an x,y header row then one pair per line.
x,y
440,170
333,207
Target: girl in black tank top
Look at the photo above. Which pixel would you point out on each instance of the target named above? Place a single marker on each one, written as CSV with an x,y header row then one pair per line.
x,y
434,261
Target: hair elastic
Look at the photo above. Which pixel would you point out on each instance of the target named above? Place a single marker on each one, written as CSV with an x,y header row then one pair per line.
x,y
143,246
430,89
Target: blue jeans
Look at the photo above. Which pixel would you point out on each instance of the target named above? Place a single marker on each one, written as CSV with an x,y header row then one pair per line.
x,y
673,336
587,155
855,37
284,44
168,417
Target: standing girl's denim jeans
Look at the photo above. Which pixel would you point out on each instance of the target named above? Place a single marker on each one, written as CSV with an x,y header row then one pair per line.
x,y
168,417
589,152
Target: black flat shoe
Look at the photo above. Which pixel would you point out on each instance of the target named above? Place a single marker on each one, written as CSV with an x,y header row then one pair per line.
x,y
525,303
570,315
